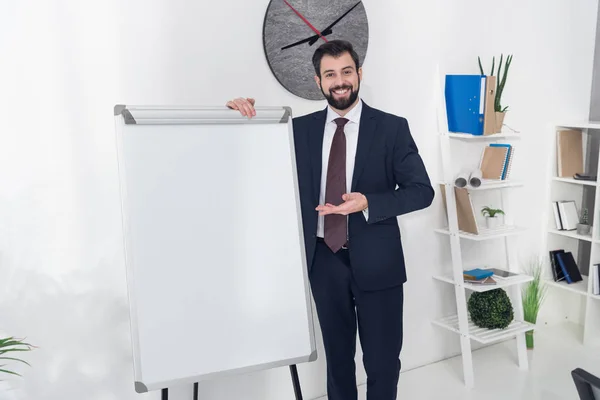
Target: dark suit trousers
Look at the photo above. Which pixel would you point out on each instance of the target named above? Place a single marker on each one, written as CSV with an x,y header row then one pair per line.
x,y
340,305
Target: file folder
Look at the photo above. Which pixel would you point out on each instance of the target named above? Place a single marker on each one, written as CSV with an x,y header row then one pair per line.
x,y
470,104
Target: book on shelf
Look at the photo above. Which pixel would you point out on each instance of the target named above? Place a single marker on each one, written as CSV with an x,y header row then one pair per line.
x,y
595,274
484,281
557,273
465,213
564,267
569,152
477,273
565,215
496,161
486,276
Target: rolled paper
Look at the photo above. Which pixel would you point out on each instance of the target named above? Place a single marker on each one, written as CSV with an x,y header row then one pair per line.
x,y
462,179
475,178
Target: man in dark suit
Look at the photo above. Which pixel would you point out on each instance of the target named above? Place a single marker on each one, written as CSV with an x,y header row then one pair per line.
x,y
358,168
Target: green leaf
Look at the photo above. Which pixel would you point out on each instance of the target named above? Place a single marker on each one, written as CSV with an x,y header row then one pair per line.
x,y
15,359
14,343
9,350
9,372
498,86
480,67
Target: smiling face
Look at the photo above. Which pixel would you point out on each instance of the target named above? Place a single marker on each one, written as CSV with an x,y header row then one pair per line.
x,y
339,81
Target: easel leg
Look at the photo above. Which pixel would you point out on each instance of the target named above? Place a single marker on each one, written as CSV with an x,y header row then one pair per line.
x,y
196,391
165,394
296,382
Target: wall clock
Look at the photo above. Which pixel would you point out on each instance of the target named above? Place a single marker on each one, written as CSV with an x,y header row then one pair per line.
x,y
291,35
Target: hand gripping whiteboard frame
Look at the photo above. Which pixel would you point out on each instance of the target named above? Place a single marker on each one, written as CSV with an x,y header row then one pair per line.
x,y
193,115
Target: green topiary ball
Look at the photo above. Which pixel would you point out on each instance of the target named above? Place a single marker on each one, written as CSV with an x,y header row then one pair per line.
x,y
491,309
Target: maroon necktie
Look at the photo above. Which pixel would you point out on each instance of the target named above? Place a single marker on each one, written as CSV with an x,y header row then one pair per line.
x,y
335,224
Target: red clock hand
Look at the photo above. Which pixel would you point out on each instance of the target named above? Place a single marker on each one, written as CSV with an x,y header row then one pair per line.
x,y
305,20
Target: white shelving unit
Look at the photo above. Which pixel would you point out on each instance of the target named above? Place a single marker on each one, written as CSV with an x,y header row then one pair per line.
x,y
564,188
460,323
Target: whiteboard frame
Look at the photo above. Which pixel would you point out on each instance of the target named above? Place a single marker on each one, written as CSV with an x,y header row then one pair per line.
x,y
196,115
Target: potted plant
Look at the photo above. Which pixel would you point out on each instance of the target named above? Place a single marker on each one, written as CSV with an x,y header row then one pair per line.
x,y
500,83
533,294
491,216
583,228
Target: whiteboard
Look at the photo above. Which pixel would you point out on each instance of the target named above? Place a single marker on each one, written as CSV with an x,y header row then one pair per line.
x,y
214,250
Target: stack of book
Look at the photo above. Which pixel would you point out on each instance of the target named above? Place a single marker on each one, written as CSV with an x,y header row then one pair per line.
x,y
496,161
486,276
479,276
564,267
565,215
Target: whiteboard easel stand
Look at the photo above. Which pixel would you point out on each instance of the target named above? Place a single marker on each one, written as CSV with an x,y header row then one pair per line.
x,y
295,382
206,115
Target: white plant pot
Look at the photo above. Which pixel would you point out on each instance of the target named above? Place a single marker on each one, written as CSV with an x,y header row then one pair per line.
x,y
583,229
492,222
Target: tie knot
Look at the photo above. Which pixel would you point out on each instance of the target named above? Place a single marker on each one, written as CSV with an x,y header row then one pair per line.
x,y
340,122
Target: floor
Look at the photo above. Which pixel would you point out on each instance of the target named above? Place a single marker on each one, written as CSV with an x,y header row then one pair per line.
x,y
558,350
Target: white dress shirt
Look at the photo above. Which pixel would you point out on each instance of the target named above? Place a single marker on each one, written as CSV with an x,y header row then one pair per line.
x,y
351,131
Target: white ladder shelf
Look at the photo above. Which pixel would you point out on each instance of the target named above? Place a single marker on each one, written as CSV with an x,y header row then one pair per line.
x,y
460,323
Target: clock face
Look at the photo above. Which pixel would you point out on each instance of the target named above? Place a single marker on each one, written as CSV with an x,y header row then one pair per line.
x,y
291,36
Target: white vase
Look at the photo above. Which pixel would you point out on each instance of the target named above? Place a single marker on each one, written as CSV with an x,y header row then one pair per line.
x,y
492,222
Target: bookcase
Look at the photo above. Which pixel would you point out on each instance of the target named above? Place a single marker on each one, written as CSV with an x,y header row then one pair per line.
x,y
505,237
584,247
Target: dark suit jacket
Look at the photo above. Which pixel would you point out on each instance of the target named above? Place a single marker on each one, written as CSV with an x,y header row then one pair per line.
x,y
386,156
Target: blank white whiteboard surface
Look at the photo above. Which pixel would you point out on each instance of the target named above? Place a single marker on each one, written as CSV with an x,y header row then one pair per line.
x,y
214,249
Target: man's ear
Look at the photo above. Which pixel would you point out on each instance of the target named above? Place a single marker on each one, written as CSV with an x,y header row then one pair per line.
x,y
360,74
318,81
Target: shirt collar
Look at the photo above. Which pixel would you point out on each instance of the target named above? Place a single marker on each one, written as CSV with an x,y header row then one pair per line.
x,y
352,116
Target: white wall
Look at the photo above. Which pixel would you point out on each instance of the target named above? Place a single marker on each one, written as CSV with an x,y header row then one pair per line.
x,y
66,63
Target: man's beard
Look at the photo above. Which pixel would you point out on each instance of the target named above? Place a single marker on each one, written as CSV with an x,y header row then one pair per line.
x,y
341,104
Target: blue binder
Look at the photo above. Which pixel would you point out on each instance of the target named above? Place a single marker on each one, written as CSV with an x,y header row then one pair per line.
x,y
465,101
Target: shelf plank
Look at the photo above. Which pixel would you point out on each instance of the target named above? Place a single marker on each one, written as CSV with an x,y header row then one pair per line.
x,y
580,287
573,235
487,234
575,181
500,282
580,125
484,335
468,136
490,184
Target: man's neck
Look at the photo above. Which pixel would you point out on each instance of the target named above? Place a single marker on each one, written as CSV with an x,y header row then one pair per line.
x,y
343,113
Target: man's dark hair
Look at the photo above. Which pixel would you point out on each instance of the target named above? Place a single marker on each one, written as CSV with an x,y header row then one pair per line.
x,y
334,48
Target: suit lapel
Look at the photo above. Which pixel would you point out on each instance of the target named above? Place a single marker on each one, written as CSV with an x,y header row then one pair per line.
x,y
366,132
315,146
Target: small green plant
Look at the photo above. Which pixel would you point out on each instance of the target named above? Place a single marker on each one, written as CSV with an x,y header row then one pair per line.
x,y
500,82
12,345
491,212
491,309
533,293
584,216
